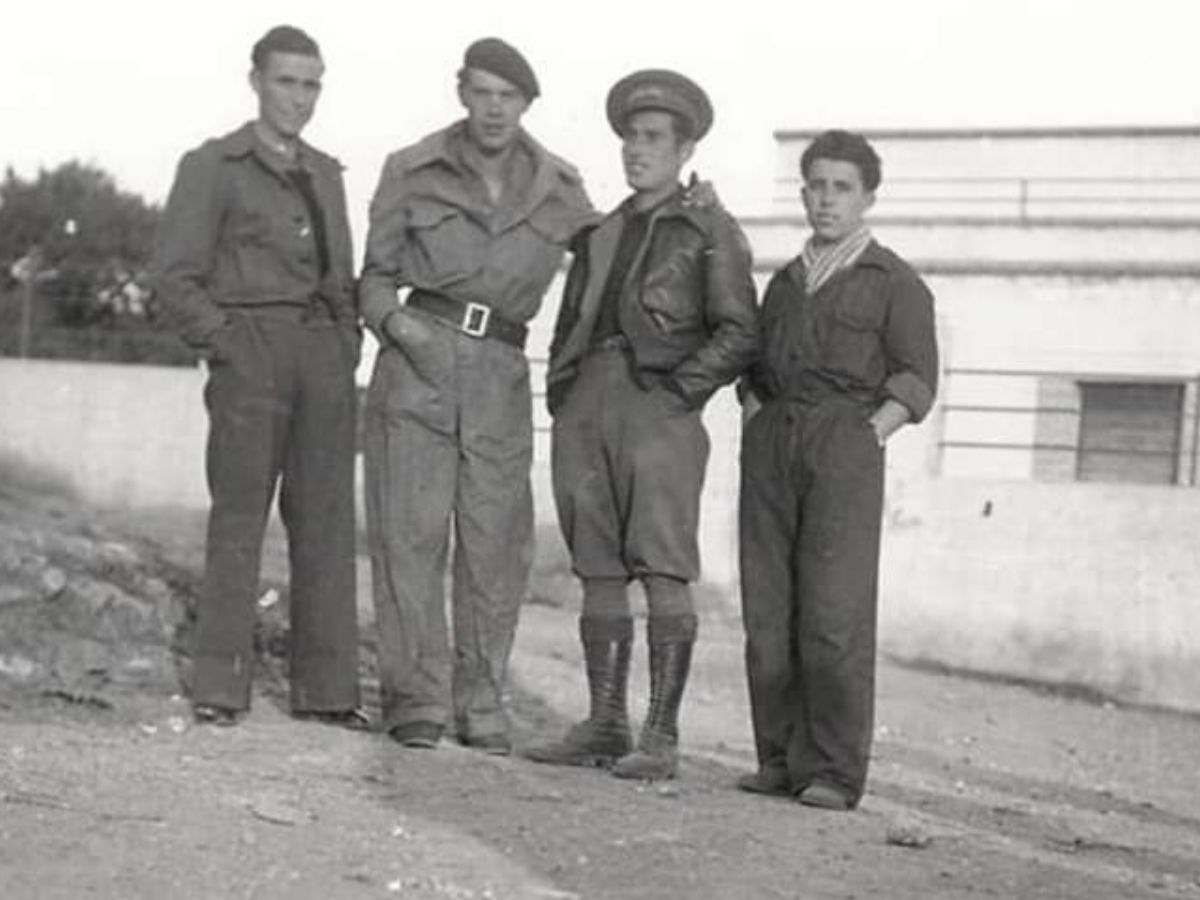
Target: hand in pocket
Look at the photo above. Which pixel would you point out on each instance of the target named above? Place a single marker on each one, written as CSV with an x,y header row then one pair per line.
x,y
417,340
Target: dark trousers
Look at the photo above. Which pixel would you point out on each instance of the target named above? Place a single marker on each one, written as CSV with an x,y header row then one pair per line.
x,y
810,516
628,469
282,412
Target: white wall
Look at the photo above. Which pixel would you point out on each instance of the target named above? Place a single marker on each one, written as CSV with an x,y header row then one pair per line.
x,y
128,436
133,437
1080,583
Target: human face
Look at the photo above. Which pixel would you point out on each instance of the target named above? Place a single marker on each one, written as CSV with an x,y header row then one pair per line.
x,y
835,199
494,109
652,154
287,86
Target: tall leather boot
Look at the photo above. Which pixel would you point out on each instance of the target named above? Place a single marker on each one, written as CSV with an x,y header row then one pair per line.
x,y
604,736
657,756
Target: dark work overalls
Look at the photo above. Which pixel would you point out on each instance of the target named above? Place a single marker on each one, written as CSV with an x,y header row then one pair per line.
x,y
811,507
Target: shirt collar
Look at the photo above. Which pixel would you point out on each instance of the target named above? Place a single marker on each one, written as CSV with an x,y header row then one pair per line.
x,y
245,142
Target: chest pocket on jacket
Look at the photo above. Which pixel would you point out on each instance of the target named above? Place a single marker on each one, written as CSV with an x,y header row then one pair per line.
x,y
673,284
441,240
552,226
854,343
860,310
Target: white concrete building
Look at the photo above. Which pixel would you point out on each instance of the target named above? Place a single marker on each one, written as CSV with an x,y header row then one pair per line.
x,y
1038,524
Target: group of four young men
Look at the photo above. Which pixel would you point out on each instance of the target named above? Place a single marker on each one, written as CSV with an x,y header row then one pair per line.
x,y
470,225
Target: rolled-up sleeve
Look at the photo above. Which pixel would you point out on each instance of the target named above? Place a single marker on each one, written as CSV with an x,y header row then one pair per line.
x,y
383,265
910,344
185,249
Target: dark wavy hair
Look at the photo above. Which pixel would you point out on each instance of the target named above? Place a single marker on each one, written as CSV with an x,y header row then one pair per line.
x,y
847,147
283,39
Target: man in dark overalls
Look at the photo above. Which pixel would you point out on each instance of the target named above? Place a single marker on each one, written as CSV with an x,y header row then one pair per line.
x,y
850,355
254,264
657,314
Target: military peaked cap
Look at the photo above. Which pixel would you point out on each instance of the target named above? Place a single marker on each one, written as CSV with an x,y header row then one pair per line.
x,y
659,89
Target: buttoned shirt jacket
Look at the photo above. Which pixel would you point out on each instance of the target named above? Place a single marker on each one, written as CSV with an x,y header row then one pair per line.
x,y
236,233
867,335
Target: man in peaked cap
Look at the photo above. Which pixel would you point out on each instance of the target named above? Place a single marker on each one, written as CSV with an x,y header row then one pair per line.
x,y
471,223
657,314
253,264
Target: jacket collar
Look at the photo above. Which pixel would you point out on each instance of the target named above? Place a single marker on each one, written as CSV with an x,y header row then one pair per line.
x,y
670,207
876,257
244,142
443,147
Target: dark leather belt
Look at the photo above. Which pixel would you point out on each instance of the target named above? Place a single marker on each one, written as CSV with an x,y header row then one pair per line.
x,y
475,319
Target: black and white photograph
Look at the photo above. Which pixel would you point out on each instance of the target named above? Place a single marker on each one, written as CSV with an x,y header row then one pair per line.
x,y
618,451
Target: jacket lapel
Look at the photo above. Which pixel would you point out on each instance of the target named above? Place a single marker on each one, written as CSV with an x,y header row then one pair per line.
x,y
602,245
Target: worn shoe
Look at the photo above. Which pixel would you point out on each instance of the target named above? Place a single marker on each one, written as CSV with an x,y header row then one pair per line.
x,y
220,716
656,758
586,743
353,719
417,735
772,782
494,744
823,795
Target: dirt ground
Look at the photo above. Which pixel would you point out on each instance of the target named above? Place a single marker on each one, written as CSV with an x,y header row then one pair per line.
x,y
978,788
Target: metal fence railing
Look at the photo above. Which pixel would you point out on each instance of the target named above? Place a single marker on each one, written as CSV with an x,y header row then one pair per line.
x,y
1027,198
1054,432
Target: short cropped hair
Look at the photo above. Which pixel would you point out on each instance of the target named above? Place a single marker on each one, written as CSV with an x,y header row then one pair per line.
x,y
847,147
283,39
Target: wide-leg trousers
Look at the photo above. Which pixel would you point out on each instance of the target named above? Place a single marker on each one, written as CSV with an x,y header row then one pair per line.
x,y
810,519
282,408
449,445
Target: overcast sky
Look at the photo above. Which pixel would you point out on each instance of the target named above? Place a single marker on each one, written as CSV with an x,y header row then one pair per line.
x,y
130,85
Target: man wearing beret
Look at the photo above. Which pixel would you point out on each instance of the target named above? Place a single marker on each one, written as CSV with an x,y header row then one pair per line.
x,y
850,355
472,221
657,314
253,263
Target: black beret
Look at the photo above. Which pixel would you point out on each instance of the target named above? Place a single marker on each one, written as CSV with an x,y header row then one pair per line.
x,y
659,89
504,61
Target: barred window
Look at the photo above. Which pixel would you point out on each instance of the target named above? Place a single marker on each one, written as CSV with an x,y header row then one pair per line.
x,y
1129,432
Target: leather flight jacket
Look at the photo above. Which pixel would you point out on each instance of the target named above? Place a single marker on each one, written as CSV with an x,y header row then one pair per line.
x,y
686,307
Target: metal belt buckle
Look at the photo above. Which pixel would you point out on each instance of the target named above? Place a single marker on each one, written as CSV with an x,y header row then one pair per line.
x,y
475,319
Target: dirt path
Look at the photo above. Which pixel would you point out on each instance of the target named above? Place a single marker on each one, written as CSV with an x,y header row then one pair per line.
x,y
978,789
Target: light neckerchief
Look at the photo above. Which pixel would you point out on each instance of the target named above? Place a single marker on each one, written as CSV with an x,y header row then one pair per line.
x,y
823,262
